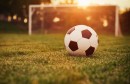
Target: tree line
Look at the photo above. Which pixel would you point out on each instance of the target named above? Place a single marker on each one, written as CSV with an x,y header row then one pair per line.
x,y
19,7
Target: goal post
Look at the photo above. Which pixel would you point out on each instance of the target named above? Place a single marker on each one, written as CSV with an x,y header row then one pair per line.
x,y
117,23
52,11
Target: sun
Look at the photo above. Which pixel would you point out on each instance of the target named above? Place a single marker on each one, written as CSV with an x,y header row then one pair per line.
x,y
83,2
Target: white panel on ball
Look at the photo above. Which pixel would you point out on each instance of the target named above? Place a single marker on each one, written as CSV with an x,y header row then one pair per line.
x,y
75,36
83,44
79,52
94,41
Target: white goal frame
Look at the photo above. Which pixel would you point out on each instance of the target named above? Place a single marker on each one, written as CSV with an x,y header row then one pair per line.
x,y
117,25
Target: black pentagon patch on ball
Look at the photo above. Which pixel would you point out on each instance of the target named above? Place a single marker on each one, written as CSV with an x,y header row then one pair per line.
x,y
71,30
86,34
73,45
90,51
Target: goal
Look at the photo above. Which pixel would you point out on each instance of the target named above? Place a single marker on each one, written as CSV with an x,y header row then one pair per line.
x,y
59,18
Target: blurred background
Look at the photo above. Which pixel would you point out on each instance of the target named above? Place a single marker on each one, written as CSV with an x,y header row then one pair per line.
x,y
14,15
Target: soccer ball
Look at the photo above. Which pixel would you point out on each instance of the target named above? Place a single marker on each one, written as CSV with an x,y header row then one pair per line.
x,y
81,40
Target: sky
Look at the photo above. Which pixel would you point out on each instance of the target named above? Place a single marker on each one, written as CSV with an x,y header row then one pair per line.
x,y
121,3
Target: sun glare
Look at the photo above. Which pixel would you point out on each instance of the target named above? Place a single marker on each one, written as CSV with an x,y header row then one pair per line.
x,y
83,2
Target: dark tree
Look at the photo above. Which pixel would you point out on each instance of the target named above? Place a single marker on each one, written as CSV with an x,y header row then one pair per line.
x,y
19,7
125,22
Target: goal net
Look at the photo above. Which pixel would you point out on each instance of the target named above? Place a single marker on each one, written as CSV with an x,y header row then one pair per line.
x,y
59,18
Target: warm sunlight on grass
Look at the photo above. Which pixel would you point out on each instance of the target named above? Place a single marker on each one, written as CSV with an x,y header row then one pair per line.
x,y
42,59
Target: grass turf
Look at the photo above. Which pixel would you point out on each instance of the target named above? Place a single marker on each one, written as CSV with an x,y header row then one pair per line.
x,y
42,59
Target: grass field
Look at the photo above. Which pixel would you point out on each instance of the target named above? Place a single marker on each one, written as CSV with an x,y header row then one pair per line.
x,y
42,59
